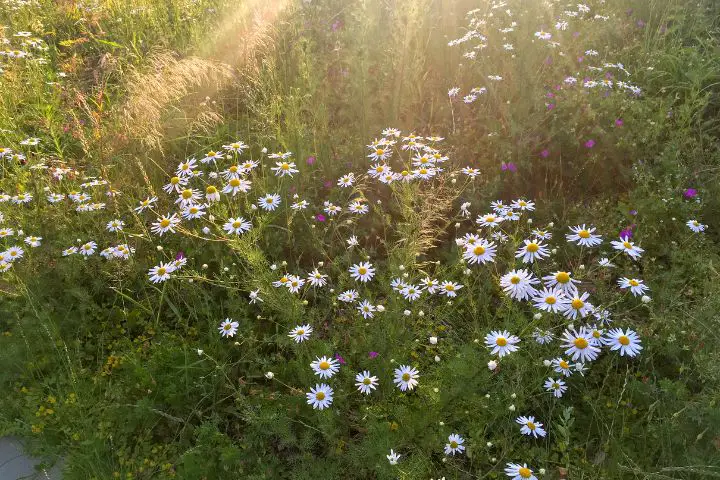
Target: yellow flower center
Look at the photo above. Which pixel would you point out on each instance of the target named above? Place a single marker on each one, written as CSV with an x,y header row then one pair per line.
x,y
501,341
577,304
522,203
634,283
193,210
164,223
563,364
175,180
187,194
362,270
550,300
532,247
285,166
449,288
301,332
379,169
581,343
406,377
404,173
367,381
320,396
531,425
453,444
236,224
284,280
324,365
235,145
211,153
584,234
423,171
161,271
479,250
525,472
596,334
235,182
228,326
562,277
624,340
627,245
515,280
379,151
233,169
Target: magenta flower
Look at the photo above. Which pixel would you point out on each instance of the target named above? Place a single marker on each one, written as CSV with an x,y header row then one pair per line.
x,y
310,160
340,359
373,354
328,184
690,193
320,217
180,255
619,122
545,153
626,234
590,143
509,166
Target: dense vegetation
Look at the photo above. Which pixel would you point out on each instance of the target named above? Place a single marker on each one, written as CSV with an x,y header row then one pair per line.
x,y
175,294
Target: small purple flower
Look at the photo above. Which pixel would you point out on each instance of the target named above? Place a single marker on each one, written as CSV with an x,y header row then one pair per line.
x,y
633,212
640,24
690,193
328,184
619,122
180,255
545,153
580,59
320,217
626,234
576,34
340,359
310,160
590,143
551,106
373,354
509,166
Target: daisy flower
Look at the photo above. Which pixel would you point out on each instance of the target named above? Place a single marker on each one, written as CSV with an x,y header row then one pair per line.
x,y
562,281
625,245
294,283
176,185
325,367
557,387
165,224
365,382
449,289
366,309
144,204
188,196
406,377
358,207
192,212
320,397
236,185
352,241
300,333
501,342
518,284
301,205
393,457
33,241
160,273
317,279
211,157
532,250
69,251
628,342
521,204
228,328
561,366
531,427
636,286
362,272
15,253
379,152
579,345
696,226
550,300
284,168
88,248
185,169
430,284
517,471
211,194
489,220
605,262
410,292
269,202
236,147
577,305
346,180
115,225
542,336
454,445
348,296
237,225
584,236
480,252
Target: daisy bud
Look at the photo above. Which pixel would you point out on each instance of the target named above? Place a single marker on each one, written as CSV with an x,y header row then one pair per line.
x,y
645,299
335,304
511,408
453,181
332,290
553,251
493,459
253,207
213,174
582,267
571,326
379,202
264,150
487,395
211,218
444,460
437,359
237,344
457,225
269,375
200,352
225,269
547,363
458,241
489,444
228,156
442,424
206,230
78,240
380,308
405,275
551,224
321,264
258,317
284,263
673,218
467,271
273,267
436,390
433,340
492,365
529,220
204,266
513,396
477,340
190,280
46,189
537,316
401,267
541,471
305,302
159,248
421,313
406,313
